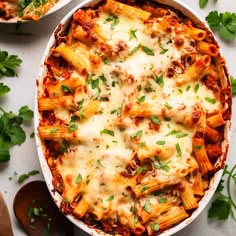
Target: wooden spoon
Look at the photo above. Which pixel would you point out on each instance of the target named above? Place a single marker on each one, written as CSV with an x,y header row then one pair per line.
x,y
37,213
5,222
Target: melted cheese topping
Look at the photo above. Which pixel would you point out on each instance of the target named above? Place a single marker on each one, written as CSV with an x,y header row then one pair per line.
x,y
103,157
111,139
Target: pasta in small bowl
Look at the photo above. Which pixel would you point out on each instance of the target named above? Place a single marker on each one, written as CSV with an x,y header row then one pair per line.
x,y
133,114
15,11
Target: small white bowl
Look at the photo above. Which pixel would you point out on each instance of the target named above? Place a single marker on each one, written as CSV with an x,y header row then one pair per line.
x,y
186,10
60,4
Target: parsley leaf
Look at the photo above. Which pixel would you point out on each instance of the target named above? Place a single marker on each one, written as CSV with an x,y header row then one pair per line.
x,y
159,80
164,50
25,113
113,19
154,226
78,178
8,64
210,100
141,99
147,50
233,85
178,149
23,177
132,34
225,23
220,209
4,89
107,131
147,206
203,3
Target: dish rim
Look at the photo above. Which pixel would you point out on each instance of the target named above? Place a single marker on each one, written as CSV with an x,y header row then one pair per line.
x,y
215,179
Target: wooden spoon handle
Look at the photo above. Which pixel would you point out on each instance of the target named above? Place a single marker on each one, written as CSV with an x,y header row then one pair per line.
x,y
5,222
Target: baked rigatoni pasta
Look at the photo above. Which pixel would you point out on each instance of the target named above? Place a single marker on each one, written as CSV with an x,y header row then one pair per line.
x,y
133,109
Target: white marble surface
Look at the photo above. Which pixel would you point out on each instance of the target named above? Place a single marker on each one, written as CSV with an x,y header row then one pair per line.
x,y
29,41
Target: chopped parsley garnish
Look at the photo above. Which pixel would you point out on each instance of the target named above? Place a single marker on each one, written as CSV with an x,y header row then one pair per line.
x,y
141,99
138,134
160,142
210,100
53,130
172,132
168,106
106,60
144,188
177,133
158,164
100,163
141,144
80,108
133,210
113,111
135,49
113,19
65,146
78,179
141,169
154,226
110,198
196,87
188,87
73,127
167,118
159,80
147,206
181,134
162,200
178,149
135,219
103,79
94,83
164,50
147,50
148,87
155,120
66,89
107,131
38,212
132,34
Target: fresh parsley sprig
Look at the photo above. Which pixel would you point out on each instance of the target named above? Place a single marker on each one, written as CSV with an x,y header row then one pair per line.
x,y
224,205
8,64
224,23
11,132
